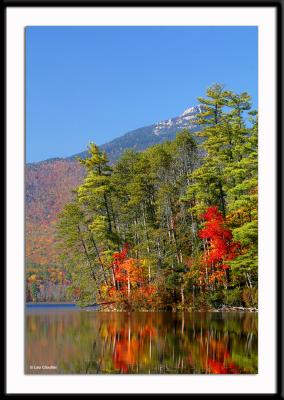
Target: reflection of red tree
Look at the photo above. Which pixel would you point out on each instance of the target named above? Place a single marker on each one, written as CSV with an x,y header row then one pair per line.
x,y
221,367
125,354
214,356
131,345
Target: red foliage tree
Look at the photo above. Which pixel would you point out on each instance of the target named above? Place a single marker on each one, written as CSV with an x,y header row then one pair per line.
x,y
132,285
219,245
127,271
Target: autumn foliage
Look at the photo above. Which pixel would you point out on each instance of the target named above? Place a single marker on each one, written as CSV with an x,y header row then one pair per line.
x,y
219,246
177,258
130,287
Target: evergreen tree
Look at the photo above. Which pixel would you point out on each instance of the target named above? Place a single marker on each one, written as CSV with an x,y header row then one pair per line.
x,y
173,227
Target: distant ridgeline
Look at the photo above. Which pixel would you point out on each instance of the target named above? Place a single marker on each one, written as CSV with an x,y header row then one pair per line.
x,y
164,217
142,138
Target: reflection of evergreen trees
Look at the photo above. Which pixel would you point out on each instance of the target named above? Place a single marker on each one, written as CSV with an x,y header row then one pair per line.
x,y
205,343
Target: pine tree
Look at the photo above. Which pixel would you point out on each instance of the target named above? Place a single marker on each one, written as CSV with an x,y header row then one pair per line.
x,y
187,210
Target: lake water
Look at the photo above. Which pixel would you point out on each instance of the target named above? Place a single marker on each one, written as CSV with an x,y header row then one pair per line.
x,y
68,340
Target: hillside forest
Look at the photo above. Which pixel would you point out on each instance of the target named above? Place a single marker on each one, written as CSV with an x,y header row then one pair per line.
x,y
171,228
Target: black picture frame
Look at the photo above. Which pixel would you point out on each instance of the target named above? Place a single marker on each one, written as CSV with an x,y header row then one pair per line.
x,y
278,4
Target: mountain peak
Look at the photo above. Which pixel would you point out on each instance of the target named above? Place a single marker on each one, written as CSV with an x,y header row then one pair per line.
x,y
193,110
185,120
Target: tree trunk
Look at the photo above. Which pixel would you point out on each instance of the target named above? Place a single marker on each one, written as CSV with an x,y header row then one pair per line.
x,y
100,260
108,214
87,254
222,198
147,243
182,296
136,236
128,286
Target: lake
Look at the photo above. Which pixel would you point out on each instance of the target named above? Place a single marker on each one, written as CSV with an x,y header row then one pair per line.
x,y
64,339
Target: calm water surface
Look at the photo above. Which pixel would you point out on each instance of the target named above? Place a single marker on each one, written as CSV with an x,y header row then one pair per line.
x,y
67,340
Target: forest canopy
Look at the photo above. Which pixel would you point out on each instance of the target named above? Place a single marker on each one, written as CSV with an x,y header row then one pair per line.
x,y
173,227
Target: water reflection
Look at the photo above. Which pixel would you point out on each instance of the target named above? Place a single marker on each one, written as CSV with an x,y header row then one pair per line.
x,y
141,343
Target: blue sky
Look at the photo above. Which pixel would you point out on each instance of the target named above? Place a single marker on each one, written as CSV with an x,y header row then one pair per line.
x,y
96,83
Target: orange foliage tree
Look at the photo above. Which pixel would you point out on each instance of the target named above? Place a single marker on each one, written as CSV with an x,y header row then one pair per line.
x,y
131,287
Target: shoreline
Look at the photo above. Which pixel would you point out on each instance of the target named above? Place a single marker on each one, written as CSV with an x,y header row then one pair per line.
x,y
92,308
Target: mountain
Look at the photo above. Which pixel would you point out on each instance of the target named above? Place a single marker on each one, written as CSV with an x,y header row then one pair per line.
x,y
49,183
141,138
